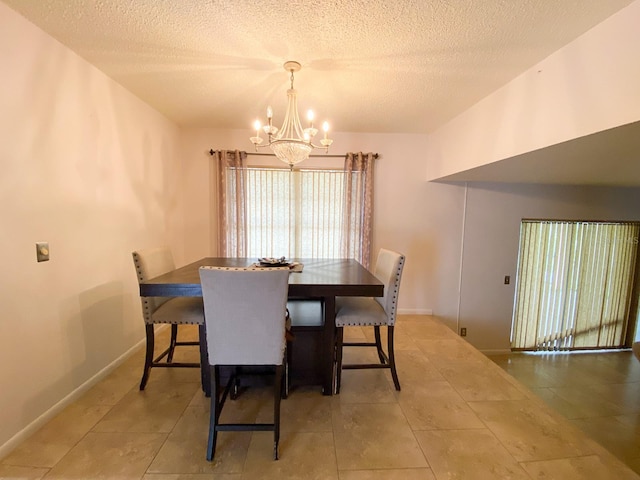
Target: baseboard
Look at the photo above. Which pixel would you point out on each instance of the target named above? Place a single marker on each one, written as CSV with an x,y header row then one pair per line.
x,y
415,311
34,426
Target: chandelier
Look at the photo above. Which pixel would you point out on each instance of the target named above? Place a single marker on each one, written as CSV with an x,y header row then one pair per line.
x,y
292,143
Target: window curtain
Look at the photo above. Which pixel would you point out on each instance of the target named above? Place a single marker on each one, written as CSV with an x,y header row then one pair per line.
x,y
357,220
232,208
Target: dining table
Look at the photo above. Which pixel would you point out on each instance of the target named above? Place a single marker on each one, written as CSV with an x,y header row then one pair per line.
x,y
318,279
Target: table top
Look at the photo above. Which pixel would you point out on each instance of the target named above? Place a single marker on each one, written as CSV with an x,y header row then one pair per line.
x,y
319,278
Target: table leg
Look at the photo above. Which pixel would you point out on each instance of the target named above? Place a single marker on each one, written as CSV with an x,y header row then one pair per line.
x,y
328,333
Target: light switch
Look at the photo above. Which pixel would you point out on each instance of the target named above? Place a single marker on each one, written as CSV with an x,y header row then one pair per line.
x,y
42,251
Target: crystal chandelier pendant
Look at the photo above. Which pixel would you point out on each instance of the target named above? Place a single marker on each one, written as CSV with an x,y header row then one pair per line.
x,y
291,143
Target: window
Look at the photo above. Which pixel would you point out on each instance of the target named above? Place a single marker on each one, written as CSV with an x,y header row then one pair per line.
x,y
308,213
574,284
294,213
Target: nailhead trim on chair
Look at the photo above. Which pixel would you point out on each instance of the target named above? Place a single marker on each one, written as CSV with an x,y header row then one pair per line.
x,y
391,318
147,304
396,288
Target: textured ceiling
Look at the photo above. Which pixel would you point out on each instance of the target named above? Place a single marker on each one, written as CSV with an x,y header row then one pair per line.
x,y
368,66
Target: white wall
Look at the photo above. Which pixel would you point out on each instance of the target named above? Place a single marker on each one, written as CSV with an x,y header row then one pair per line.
x,y
90,169
588,86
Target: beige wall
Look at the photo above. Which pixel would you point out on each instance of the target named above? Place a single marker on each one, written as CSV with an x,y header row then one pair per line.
x,y
90,169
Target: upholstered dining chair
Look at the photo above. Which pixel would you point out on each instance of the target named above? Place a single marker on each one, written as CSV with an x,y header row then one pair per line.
x,y
372,312
150,263
245,316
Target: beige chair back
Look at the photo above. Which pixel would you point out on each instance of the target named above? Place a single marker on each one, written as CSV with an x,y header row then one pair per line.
x,y
245,311
388,270
151,263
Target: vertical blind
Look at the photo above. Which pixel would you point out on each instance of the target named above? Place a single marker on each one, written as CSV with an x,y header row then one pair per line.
x,y
297,214
574,284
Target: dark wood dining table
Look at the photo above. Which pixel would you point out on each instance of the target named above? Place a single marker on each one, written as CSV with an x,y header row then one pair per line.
x,y
320,279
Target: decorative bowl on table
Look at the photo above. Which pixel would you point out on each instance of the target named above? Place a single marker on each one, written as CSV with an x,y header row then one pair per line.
x,y
274,262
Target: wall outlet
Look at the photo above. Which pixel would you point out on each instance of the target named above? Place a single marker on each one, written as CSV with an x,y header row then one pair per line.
x,y
507,279
42,251
463,332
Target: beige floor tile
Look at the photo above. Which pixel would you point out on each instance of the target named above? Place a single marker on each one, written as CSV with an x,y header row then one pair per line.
x,y
398,474
186,446
436,405
305,410
530,431
48,445
624,396
621,439
477,382
307,455
445,351
591,403
156,409
355,334
112,389
373,436
370,386
402,340
423,329
109,455
564,407
414,368
11,472
468,455
578,468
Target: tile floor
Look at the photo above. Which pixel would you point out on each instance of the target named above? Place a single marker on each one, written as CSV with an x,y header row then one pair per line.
x,y
459,416
598,392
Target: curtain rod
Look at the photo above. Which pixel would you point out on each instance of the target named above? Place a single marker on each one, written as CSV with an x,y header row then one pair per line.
x,y
258,154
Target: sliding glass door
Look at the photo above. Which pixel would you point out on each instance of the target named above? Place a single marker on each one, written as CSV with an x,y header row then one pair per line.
x,y
574,285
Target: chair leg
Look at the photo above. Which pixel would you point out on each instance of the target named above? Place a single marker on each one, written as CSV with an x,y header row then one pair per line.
x,y
277,390
288,359
148,358
381,354
205,372
235,389
392,357
172,343
338,353
214,413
